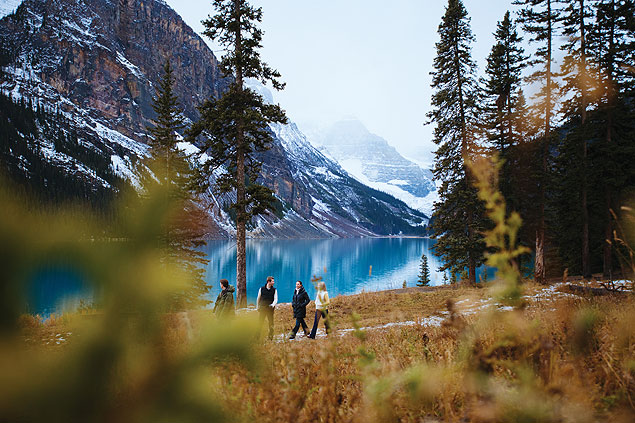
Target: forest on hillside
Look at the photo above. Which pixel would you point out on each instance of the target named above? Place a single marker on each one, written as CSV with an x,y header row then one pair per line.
x,y
560,114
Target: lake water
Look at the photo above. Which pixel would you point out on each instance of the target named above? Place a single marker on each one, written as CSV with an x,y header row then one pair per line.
x,y
347,266
343,264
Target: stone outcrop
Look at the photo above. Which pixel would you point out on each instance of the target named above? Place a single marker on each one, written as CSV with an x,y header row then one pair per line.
x,y
106,56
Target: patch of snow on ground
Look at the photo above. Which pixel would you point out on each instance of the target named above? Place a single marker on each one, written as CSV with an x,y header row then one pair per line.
x,y
187,147
132,68
82,31
398,182
122,167
469,307
69,162
140,149
319,206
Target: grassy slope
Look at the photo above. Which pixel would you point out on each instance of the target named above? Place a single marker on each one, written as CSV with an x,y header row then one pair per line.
x,y
561,358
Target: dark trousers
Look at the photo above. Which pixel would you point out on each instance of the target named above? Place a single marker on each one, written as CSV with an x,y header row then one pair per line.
x,y
318,314
299,321
266,311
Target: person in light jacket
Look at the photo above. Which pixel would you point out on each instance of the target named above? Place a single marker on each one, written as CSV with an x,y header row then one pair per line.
x,y
300,301
224,305
266,304
321,309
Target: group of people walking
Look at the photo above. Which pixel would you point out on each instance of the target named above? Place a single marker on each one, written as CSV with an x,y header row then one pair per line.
x,y
268,299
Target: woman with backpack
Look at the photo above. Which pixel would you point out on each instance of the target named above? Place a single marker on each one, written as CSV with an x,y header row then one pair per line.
x,y
224,306
300,301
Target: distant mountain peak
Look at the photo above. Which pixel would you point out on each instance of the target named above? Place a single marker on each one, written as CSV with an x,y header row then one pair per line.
x,y
376,163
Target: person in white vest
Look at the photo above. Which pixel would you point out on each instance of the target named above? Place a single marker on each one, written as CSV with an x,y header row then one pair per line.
x,y
321,309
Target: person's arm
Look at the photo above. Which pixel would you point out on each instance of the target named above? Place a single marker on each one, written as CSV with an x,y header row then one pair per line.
x,y
275,299
258,299
307,300
325,298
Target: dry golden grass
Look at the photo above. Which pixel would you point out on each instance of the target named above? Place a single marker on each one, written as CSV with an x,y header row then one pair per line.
x,y
378,308
570,359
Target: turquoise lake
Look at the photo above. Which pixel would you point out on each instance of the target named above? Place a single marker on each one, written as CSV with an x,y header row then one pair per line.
x,y
343,264
347,266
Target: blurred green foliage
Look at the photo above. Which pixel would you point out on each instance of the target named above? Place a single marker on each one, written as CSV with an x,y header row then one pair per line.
x,y
128,361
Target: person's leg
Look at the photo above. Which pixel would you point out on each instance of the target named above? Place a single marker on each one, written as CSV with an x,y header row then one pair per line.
x,y
270,317
327,325
296,327
315,324
305,328
261,319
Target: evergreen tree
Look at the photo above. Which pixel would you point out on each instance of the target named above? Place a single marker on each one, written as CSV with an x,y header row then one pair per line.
x,y
538,18
183,232
168,121
503,101
458,216
575,18
612,46
453,277
424,272
235,127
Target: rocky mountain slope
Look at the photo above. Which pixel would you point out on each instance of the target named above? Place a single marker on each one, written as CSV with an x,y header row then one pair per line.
x,y
374,162
95,64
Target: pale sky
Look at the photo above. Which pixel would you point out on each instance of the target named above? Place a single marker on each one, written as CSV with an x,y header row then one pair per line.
x,y
364,58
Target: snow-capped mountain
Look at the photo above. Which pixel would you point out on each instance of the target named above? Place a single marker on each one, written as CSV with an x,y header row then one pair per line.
x,y
94,64
371,160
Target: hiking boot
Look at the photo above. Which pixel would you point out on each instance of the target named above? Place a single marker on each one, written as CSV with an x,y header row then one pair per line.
x,y
307,332
292,335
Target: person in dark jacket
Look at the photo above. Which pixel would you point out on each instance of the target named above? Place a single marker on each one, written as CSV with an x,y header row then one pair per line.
x,y
224,305
266,303
300,301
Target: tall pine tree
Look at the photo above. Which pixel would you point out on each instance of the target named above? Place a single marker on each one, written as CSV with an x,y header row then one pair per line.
x,y
576,17
503,102
184,227
612,47
538,18
458,216
235,127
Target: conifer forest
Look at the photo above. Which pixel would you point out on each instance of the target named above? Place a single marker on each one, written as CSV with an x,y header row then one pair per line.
x,y
177,244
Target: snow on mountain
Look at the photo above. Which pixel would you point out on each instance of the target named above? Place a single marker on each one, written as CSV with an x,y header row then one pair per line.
x,y
394,187
372,161
8,6
334,192
89,63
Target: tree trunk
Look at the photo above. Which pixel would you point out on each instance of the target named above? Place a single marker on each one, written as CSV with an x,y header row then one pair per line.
x,y
241,254
241,220
539,270
586,267
610,97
